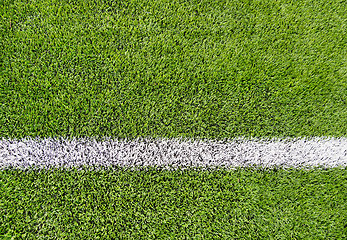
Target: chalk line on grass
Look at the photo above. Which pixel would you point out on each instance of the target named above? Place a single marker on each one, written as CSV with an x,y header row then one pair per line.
x,y
173,153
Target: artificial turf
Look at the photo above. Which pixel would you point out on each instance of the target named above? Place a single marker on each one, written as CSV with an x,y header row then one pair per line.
x,y
214,69
160,204
195,69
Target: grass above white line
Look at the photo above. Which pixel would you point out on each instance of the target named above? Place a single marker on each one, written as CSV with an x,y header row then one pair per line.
x,y
173,153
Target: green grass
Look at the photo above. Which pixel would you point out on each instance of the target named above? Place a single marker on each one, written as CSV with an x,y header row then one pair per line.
x,y
214,69
197,69
159,204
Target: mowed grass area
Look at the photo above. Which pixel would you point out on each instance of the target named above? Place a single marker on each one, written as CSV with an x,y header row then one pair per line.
x,y
195,69
160,204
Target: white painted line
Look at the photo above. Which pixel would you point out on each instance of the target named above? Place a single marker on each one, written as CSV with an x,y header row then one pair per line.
x,y
173,153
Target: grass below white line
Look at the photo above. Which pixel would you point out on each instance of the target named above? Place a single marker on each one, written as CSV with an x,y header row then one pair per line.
x,y
173,153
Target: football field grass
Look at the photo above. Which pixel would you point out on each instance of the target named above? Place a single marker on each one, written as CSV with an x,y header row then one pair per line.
x,y
205,72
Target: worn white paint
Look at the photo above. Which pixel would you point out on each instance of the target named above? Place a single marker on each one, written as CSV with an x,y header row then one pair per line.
x,y
173,153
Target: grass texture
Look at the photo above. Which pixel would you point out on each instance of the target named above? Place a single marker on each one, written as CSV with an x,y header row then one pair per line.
x,y
197,69
193,69
155,204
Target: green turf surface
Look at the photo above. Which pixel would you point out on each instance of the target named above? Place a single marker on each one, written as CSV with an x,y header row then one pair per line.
x,y
209,69
155,204
214,69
